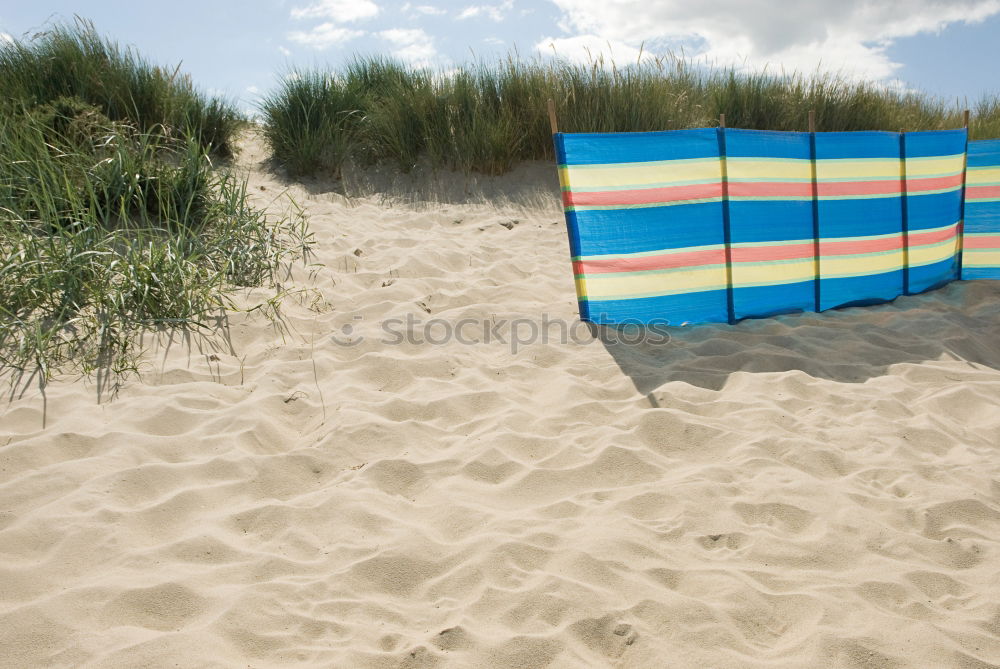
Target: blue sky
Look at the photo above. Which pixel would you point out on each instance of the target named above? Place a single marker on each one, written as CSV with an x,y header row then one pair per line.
x,y
948,48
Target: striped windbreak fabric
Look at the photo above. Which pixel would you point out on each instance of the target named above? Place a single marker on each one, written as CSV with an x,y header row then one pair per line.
x,y
716,225
981,244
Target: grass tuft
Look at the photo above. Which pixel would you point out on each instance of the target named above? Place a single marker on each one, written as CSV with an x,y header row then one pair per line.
x,y
113,218
488,117
74,61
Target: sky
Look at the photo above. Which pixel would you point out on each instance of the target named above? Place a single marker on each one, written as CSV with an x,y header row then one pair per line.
x,y
948,48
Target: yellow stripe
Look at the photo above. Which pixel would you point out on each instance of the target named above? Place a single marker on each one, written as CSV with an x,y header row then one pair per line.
x,y
666,172
744,168
776,272
977,176
980,258
833,266
611,286
932,253
610,176
858,170
937,166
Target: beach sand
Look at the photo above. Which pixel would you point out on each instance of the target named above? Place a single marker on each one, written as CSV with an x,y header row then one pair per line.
x,y
818,490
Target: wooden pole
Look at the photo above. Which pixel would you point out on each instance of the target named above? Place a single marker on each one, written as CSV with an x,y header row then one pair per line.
x,y
965,119
812,120
722,120
552,116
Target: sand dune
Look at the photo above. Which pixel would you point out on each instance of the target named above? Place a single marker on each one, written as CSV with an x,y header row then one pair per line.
x,y
819,490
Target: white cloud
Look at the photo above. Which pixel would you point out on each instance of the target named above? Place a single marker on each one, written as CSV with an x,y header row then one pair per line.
x,y
253,90
324,36
494,40
337,11
591,48
496,12
4,37
284,52
428,10
412,45
847,36
331,31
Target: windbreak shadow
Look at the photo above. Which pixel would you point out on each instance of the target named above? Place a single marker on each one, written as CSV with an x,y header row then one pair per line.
x,y
960,321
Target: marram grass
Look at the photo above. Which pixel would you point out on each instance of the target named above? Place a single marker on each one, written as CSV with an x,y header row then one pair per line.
x,y
113,219
74,60
489,117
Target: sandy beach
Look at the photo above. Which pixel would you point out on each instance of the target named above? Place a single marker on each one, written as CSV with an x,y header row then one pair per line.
x,y
352,485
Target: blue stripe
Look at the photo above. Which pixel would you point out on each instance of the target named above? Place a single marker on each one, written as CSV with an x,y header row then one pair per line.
x,y
761,301
602,231
933,276
771,221
971,273
872,144
933,210
702,307
984,153
982,216
861,290
636,147
559,139
766,144
935,143
860,218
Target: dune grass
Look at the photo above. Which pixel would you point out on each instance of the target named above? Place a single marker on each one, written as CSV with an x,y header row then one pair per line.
x,y
489,117
73,60
113,218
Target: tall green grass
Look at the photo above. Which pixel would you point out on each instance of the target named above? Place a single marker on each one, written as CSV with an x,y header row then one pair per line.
x,y
112,220
487,117
74,60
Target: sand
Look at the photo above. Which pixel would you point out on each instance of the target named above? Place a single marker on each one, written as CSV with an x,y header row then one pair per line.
x,y
818,490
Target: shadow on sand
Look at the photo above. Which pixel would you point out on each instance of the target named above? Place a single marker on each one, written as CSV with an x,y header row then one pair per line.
x,y
958,322
533,185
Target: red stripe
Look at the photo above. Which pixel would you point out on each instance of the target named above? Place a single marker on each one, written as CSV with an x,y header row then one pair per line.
x,y
766,253
933,183
981,242
644,196
770,189
832,248
830,188
931,237
770,253
665,261
835,188
828,248
981,192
